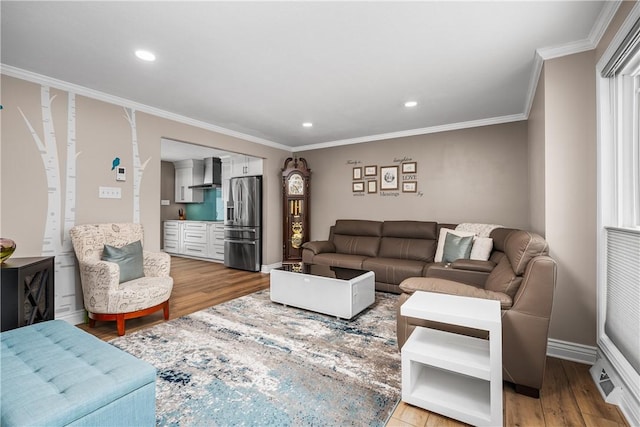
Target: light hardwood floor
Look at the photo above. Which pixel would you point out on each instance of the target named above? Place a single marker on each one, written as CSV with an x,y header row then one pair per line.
x,y
568,397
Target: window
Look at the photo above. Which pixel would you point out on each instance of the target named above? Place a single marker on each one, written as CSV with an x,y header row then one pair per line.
x,y
622,140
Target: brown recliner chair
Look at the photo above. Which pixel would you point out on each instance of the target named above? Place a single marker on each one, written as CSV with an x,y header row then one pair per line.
x,y
523,280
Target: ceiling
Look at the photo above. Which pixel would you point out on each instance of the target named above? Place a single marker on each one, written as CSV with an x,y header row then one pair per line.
x,y
258,70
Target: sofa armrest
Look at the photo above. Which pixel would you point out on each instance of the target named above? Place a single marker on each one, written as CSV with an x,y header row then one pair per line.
x,y
443,286
156,264
473,265
446,271
320,246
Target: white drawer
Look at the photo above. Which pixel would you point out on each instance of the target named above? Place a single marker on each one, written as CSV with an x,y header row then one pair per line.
x,y
195,236
171,225
195,249
218,252
170,246
171,234
195,226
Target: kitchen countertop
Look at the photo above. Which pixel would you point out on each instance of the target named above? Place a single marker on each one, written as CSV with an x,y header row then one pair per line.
x,y
194,220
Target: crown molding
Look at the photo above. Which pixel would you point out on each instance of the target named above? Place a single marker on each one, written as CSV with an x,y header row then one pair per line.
x,y
414,132
19,73
597,31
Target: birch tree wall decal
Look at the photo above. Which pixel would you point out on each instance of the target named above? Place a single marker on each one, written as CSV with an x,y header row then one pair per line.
x,y
138,169
56,241
51,242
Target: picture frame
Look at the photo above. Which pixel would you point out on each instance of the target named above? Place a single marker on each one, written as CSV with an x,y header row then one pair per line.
x,y
388,178
358,187
409,167
371,170
409,186
372,186
357,173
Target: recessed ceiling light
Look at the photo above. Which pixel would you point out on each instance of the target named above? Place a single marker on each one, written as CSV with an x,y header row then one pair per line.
x,y
145,55
307,124
410,104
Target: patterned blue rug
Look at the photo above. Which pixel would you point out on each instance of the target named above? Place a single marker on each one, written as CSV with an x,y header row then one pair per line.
x,y
252,362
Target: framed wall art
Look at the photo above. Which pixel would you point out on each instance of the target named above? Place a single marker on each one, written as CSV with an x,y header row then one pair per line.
x,y
409,186
357,173
409,167
372,186
388,178
370,170
358,187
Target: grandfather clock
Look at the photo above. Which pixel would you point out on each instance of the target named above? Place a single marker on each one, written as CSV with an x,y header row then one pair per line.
x,y
295,197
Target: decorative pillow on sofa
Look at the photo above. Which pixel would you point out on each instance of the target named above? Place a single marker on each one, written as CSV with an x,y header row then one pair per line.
x,y
456,247
443,236
128,257
482,247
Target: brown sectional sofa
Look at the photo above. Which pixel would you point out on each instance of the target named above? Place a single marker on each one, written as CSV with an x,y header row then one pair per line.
x,y
519,274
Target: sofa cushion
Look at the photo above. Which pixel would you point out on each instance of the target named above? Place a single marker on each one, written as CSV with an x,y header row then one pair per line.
x,y
410,229
340,260
503,279
443,286
413,249
482,247
442,237
319,246
393,270
356,245
356,227
521,246
456,247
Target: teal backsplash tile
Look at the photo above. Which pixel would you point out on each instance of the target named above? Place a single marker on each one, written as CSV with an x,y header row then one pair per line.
x,y
210,210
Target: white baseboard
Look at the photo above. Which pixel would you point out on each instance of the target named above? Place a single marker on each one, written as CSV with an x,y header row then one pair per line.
x,y
571,351
266,268
74,318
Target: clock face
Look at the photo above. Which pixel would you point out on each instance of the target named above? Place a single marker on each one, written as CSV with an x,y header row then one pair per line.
x,y
296,185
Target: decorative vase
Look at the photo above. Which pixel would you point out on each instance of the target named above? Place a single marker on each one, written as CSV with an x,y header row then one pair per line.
x,y
7,248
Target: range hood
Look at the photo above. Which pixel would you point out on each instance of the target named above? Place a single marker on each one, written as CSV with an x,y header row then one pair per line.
x,y
212,173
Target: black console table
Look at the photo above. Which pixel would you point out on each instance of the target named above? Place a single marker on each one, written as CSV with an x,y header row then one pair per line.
x,y
27,291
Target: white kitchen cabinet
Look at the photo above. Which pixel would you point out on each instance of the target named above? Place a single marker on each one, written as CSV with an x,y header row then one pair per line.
x,y
195,239
242,165
200,239
172,237
188,173
216,241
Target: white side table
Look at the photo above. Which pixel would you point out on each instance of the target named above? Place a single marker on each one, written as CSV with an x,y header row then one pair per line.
x,y
452,374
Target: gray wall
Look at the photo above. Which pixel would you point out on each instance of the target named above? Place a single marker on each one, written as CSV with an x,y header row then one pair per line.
x,y
472,175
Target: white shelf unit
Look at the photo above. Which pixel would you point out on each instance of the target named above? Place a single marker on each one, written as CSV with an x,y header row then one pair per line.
x,y
454,375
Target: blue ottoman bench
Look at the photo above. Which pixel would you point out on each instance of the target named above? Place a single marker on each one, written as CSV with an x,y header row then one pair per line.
x,y
54,374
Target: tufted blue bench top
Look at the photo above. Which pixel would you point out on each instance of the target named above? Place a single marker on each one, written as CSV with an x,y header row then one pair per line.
x,y
53,373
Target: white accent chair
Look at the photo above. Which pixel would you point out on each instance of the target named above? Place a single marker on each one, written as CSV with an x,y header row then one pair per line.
x,y
105,298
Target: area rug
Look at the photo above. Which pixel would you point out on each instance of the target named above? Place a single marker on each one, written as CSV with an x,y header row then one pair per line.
x,y
252,362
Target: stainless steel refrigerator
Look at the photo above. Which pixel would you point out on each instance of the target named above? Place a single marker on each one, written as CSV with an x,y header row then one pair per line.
x,y
243,224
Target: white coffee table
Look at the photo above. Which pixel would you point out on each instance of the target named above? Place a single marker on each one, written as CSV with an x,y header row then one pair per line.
x,y
336,291
454,375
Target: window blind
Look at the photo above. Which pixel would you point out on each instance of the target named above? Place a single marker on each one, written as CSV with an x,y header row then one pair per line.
x,y
628,48
622,320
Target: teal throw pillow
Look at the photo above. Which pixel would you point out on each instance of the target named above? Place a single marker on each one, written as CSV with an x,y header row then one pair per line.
x,y
128,257
456,247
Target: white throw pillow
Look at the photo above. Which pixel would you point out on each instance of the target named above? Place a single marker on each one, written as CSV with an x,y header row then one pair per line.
x,y
443,236
481,249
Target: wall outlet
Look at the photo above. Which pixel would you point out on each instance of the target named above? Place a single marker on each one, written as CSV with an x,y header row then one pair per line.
x,y
165,202
109,192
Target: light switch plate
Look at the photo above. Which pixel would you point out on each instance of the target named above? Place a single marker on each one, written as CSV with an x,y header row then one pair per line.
x,y
109,192
164,202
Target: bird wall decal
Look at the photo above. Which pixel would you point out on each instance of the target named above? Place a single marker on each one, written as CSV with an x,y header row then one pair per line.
x,y
115,163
